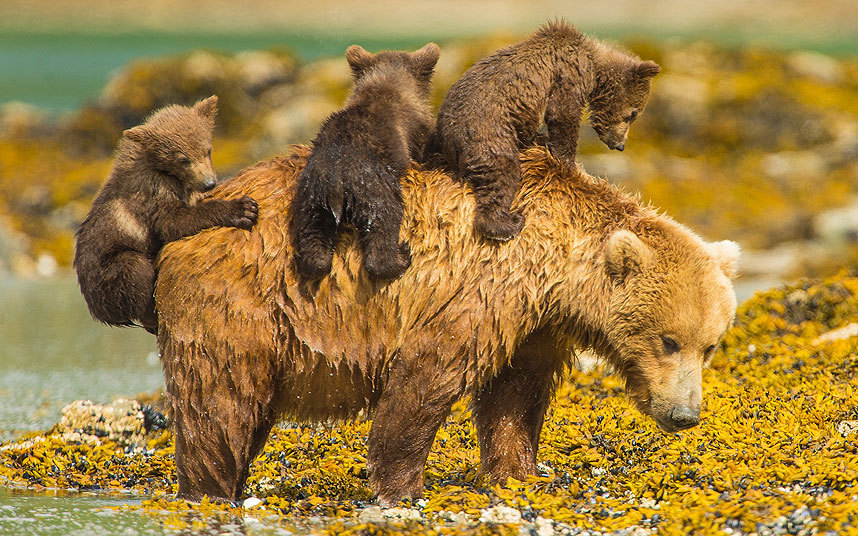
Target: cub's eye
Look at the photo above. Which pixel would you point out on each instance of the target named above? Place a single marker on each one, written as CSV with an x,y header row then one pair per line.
x,y
709,349
633,115
670,345
210,153
183,160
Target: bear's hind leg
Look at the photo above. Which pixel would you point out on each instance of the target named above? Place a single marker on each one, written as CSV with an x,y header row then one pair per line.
x,y
495,184
125,291
378,223
510,408
315,230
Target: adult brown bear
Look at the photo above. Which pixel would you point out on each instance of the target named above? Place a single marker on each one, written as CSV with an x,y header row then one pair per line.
x,y
244,340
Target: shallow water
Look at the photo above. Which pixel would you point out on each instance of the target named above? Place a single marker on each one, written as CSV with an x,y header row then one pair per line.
x,y
71,514
60,71
52,352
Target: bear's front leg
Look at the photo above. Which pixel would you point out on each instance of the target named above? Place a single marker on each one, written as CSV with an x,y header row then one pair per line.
x,y
413,405
510,408
563,121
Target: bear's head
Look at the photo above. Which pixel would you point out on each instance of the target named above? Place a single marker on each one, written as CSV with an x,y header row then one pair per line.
x,y
419,65
620,96
177,141
671,304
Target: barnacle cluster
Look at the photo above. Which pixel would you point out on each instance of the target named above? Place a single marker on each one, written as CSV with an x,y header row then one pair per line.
x,y
776,452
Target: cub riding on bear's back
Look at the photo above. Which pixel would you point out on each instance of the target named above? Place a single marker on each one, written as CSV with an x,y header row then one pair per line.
x,y
359,156
149,199
496,107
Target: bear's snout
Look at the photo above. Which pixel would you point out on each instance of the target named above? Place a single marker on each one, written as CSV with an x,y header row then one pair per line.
x,y
684,417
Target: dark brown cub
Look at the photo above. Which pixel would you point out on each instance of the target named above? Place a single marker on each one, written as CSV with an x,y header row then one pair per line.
x,y
496,107
359,155
149,199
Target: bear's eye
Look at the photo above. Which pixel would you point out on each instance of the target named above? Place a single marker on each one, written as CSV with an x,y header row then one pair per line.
x,y
709,349
670,345
210,152
632,116
183,160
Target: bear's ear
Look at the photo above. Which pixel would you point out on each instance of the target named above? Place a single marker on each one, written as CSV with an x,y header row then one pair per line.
x,y
646,70
358,58
726,254
625,254
138,134
207,107
426,58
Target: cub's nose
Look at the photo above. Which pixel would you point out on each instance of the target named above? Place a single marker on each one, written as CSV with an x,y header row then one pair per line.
x,y
209,183
620,146
684,417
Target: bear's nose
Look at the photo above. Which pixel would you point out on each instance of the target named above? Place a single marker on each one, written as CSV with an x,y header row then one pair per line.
x,y
210,183
620,146
684,417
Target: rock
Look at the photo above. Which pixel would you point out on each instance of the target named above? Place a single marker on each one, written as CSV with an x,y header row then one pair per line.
x,y
46,265
460,518
251,502
791,166
814,65
839,224
847,428
260,69
296,121
204,66
122,421
371,514
500,514
18,119
402,514
543,527
846,332
12,244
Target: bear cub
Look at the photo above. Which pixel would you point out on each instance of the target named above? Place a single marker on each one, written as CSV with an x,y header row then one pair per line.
x,y
359,155
497,106
150,198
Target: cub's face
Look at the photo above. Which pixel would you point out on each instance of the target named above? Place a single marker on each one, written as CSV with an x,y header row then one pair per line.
x,y
668,313
616,105
177,141
420,65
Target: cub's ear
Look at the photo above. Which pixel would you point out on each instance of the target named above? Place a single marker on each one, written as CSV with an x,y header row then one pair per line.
x,y
138,134
358,58
207,107
646,69
726,254
625,254
426,58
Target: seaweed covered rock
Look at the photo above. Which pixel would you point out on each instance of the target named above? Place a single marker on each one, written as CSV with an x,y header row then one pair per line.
x,y
125,422
243,82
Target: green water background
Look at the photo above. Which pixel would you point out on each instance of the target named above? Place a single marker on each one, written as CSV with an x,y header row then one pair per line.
x,y
60,71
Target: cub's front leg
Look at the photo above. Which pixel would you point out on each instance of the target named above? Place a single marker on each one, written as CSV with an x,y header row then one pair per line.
x,y
179,221
563,121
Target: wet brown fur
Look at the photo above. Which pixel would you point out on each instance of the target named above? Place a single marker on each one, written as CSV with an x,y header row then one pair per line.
x,y
358,157
149,199
244,340
496,107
